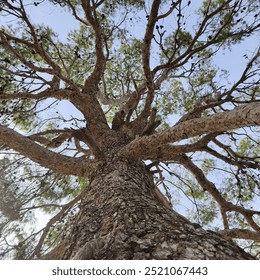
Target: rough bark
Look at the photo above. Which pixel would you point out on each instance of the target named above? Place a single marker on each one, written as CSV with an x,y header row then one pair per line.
x,y
121,218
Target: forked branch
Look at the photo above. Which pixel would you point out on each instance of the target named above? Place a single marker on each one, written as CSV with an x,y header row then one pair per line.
x,y
59,163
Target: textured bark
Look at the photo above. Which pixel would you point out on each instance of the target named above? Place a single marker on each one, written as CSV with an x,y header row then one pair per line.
x,y
121,218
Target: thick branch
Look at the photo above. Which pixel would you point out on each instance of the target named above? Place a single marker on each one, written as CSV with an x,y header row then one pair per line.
x,y
247,115
170,152
23,95
147,41
240,234
87,102
91,16
58,163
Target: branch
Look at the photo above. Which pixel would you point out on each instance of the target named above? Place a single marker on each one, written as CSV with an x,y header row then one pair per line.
x,y
74,12
52,221
53,68
239,161
5,42
245,75
58,163
146,48
242,116
24,95
211,188
84,136
170,152
240,234
97,73
87,102
177,61
53,143
173,6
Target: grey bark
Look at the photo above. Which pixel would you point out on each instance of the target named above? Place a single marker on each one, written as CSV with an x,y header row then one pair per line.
x,y
121,218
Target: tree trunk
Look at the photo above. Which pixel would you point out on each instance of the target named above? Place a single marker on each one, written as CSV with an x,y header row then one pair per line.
x,y
121,218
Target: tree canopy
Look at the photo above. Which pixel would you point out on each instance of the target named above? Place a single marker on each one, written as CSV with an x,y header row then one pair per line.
x,y
139,79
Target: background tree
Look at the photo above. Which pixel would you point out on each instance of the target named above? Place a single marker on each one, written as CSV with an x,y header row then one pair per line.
x,y
130,102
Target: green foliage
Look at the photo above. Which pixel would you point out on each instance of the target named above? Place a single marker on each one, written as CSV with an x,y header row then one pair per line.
x,y
169,100
248,148
125,65
112,6
208,165
227,25
20,112
208,213
10,203
180,98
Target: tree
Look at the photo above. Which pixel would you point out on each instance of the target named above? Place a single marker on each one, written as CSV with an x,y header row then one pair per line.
x,y
107,174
